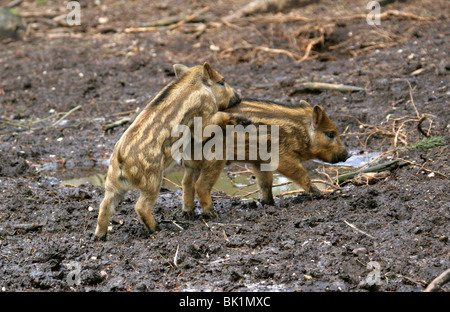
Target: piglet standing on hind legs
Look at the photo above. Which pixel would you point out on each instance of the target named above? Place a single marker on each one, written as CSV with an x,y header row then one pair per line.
x,y
144,150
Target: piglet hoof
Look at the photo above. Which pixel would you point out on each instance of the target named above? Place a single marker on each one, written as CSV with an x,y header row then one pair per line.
x,y
100,234
101,238
211,214
189,215
269,202
153,229
315,192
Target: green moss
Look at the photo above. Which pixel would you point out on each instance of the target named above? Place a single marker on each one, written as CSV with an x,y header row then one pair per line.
x,y
427,143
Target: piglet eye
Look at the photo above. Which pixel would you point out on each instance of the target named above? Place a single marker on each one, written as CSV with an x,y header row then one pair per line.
x,y
330,134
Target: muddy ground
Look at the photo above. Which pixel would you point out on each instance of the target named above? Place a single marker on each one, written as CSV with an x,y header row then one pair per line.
x,y
46,230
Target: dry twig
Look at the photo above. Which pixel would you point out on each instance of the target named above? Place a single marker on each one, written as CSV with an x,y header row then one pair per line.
x,y
30,123
189,18
358,230
438,281
131,30
175,258
418,282
170,181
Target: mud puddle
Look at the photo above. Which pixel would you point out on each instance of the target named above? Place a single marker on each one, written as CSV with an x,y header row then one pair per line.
x,y
357,159
235,180
240,185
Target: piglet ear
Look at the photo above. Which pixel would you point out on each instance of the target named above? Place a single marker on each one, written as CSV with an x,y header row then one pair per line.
x,y
208,73
180,70
317,116
303,103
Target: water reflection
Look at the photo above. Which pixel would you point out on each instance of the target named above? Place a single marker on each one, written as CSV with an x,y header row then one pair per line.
x,y
230,184
241,185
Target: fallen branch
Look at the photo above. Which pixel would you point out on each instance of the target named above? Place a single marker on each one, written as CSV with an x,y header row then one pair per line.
x,y
438,281
330,86
117,123
369,178
389,165
27,227
301,191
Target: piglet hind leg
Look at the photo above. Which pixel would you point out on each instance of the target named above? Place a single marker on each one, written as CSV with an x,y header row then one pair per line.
x,y
265,181
144,207
208,177
191,174
107,207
